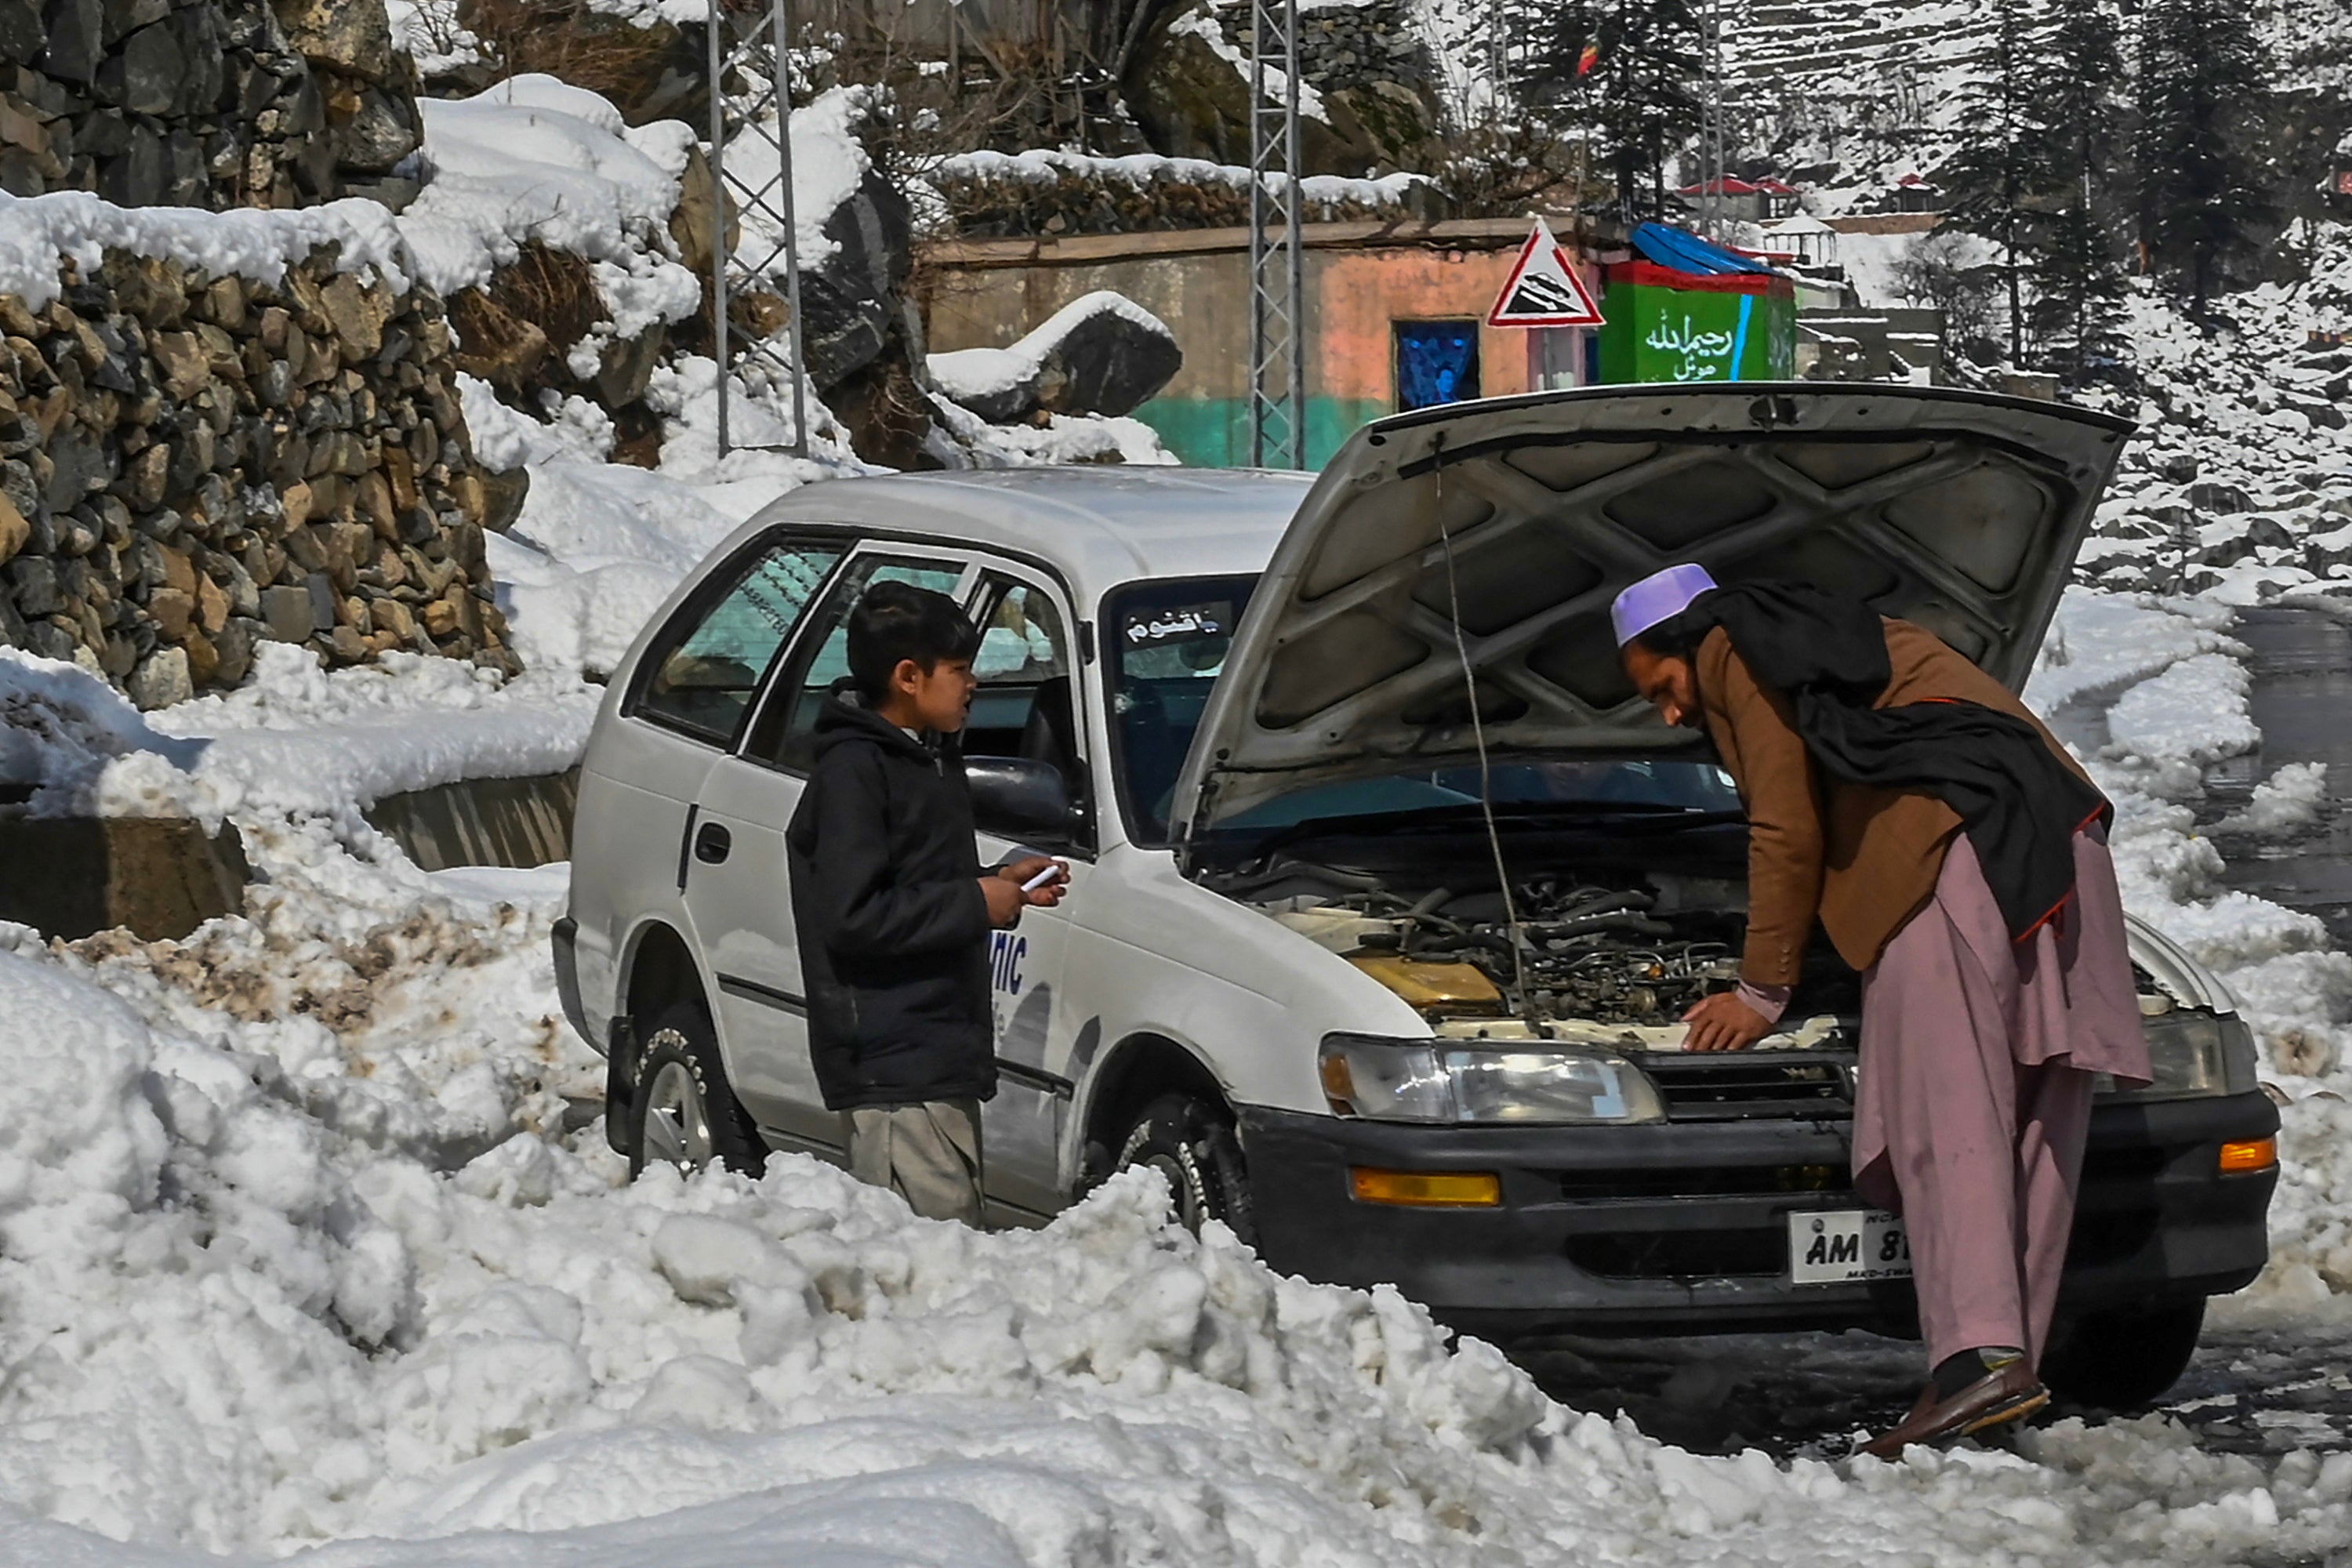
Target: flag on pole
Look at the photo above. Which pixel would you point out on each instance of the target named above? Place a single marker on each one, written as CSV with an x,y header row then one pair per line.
x,y
1588,58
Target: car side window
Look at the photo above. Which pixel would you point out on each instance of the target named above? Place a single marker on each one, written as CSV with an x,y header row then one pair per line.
x,y
1025,706
785,735
712,657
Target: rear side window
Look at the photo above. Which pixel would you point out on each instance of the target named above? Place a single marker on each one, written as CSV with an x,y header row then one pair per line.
x,y
785,735
713,655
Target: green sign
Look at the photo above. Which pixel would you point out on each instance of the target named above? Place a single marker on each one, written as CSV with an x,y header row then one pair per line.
x,y
1659,333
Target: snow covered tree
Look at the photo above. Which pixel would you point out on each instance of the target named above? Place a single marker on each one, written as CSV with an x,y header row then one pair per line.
x,y
2203,90
1627,73
2002,166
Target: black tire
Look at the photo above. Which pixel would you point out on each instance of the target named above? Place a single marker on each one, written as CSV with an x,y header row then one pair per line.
x,y
1195,1147
682,1090
2124,1359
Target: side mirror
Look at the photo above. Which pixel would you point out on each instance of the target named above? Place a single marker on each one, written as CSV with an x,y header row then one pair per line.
x,y
1016,798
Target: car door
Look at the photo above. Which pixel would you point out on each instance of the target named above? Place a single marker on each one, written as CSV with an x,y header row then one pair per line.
x,y
687,696
736,888
1028,705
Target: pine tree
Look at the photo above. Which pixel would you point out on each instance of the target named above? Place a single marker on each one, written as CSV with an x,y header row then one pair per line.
x,y
2077,276
2003,166
2204,93
1639,102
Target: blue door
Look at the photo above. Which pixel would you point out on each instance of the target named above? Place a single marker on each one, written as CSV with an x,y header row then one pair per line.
x,y
1436,362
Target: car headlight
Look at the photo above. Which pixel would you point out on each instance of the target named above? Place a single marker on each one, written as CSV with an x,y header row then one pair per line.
x,y
1439,1080
2194,1056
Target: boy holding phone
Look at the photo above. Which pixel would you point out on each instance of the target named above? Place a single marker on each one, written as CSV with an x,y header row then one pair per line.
x,y
893,910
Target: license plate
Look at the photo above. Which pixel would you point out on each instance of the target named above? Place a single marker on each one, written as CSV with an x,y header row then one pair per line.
x,y
1838,1246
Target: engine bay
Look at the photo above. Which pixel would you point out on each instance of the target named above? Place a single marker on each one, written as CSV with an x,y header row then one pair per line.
x,y
1617,949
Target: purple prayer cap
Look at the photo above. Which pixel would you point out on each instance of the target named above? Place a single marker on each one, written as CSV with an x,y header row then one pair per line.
x,y
1660,596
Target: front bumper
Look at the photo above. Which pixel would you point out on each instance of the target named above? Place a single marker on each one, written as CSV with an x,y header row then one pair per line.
x,y
1682,1226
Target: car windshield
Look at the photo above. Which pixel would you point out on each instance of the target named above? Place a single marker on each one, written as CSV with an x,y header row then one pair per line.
x,y
1165,643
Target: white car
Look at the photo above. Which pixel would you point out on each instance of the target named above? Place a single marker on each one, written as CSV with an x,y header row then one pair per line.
x,y
1286,973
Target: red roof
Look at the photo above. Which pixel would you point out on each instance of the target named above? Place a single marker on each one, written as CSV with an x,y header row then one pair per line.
x,y
1730,187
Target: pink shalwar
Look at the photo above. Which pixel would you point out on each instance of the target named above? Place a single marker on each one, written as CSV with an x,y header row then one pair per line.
x,y
1975,1087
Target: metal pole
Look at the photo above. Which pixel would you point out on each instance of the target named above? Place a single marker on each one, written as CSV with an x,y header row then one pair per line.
x,y
783,29
1257,241
717,21
1291,164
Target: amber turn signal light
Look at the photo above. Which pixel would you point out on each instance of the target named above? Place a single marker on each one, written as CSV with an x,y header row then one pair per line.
x,y
2259,1155
1426,1189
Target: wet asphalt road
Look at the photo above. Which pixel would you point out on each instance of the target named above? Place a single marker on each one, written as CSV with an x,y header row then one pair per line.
x,y
2262,1391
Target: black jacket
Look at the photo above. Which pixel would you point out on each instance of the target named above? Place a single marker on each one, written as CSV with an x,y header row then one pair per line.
x,y
893,929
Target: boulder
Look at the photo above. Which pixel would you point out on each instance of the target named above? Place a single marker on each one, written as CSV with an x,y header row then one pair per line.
x,y
353,38
1102,354
850,299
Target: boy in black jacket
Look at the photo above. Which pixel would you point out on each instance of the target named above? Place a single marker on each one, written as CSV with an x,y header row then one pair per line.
x,y
893,910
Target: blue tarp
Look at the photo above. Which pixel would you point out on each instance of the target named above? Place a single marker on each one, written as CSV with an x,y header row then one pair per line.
x,y
1666,246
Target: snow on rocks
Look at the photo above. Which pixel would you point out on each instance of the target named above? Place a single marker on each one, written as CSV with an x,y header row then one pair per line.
x,y
246,243
1101,354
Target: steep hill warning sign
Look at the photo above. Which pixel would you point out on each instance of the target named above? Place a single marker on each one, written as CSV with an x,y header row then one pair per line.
x,y
1543,290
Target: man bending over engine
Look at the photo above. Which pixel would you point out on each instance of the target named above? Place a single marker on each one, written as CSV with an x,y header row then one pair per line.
x,y
1956,856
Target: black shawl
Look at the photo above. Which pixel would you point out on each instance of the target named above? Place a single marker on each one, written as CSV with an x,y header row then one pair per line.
x,y
2018,803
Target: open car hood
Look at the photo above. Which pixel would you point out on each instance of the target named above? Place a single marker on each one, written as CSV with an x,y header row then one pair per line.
x,y
1960,510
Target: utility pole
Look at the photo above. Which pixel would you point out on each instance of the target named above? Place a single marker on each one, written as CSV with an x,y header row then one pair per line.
x,y
1278,346
752,163
1713,154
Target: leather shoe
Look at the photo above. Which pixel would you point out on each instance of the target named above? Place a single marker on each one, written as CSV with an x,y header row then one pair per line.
x,y
2010,1395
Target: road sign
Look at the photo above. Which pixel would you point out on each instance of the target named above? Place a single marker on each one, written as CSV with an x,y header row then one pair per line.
x,y
1543,290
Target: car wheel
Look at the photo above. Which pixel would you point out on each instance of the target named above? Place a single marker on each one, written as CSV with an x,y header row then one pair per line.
x,y
2124,1359
684,1113
1196,1148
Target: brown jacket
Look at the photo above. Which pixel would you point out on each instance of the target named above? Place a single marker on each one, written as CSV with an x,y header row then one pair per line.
x,y
1864,859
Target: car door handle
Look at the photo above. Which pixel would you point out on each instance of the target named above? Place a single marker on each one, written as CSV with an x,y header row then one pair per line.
x,y
712,842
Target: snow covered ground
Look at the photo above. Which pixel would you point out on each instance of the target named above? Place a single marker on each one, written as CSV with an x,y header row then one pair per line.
x,y
307,1244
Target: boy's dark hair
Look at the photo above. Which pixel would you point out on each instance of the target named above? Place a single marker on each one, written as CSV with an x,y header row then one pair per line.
x,y
894,621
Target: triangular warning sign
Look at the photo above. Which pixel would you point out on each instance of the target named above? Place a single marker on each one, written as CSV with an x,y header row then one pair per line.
x,y
1543,290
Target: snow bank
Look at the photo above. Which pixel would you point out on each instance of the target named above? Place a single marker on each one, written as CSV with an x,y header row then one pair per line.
x,y
536,160
35,231
296,739
976,375
299,1255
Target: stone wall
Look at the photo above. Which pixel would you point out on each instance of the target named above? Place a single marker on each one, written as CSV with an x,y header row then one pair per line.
x,y
190,464
994,196
1346,46
205,103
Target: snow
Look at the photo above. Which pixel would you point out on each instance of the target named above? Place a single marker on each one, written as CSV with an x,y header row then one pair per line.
x,y
1045,166
35,231
535,160
968,375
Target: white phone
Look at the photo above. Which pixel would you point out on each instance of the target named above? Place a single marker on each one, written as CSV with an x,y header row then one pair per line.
x,y
1051,873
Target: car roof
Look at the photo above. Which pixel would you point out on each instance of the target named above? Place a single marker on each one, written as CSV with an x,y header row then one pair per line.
x,y
1098,526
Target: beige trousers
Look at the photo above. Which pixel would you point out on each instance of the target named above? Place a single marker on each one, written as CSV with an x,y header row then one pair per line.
x,y
928,1154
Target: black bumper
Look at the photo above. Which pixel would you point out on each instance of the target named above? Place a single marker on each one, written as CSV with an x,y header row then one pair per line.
x,y
1682,1226
564,940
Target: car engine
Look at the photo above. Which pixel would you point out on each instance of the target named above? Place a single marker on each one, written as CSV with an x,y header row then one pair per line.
x,y
1587,950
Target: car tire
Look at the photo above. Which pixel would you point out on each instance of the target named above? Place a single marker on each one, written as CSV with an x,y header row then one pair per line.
x,y
2124,1359
1196,1148
683,1112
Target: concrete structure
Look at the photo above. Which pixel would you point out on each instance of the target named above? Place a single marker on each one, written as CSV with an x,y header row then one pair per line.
x,y
1371,289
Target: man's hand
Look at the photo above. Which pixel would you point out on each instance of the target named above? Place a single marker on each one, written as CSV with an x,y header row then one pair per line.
x,y
1005,902
1026,870
1724,1023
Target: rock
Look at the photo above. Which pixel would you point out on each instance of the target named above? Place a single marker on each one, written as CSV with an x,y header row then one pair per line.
x,y
850,301
695,222
503,494
76,41
346,646
14,530
35,580
21,30
286,611
628,364
181,359
234,647
380,131
172,610
161,680
321,590
148,75
351,37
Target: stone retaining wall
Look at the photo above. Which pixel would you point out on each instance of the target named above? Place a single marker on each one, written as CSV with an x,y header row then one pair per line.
x,y
206,103
191,464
